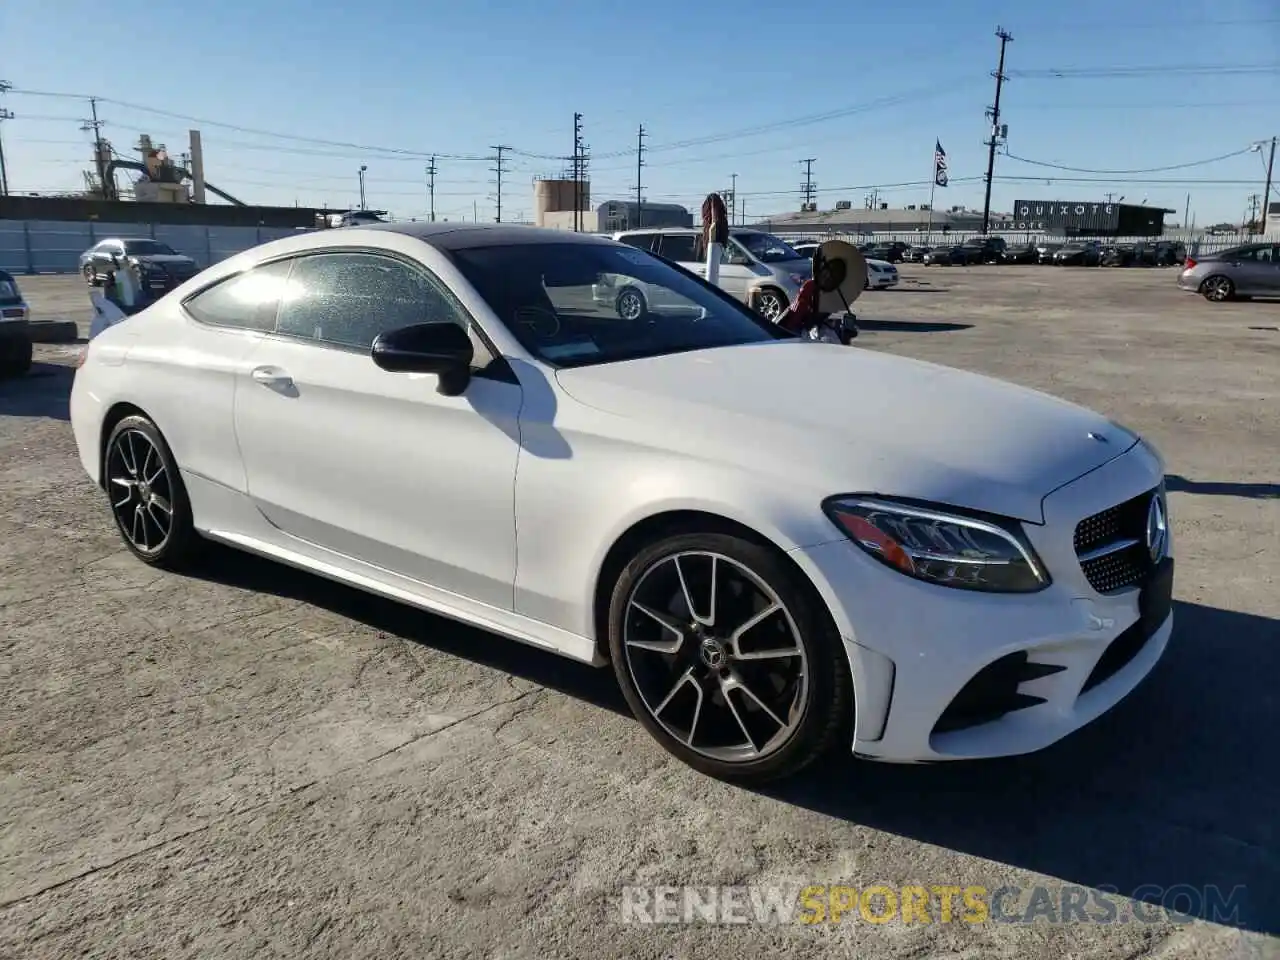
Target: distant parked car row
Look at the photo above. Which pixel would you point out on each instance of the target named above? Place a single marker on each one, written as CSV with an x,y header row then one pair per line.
x,y
1075,253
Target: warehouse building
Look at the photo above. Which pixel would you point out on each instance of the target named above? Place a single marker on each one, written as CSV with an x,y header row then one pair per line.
x,y
882,219
1088,218
554,202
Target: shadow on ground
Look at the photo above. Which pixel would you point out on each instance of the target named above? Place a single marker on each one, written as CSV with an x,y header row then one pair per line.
x,y
1174,791
1168,794
44,392
575,679
907,326
1219,488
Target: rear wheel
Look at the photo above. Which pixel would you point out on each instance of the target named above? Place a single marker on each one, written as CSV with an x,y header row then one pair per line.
x,y
726,659
1218,288
147,496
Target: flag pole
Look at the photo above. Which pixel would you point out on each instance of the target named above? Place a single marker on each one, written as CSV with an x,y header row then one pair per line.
x,y
933,186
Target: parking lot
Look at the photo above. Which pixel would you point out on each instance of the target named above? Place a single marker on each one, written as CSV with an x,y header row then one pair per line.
x,y
255,762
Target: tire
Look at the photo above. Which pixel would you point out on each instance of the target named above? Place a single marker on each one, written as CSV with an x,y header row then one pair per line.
x,y
794,716
139,467
15,358
771,303
630,304
1218,289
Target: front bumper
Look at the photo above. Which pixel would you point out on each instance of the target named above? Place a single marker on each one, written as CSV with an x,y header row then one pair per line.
x,y
882,281
1048,662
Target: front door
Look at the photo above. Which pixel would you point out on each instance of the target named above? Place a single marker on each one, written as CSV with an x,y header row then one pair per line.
x,y
372,465
1259,274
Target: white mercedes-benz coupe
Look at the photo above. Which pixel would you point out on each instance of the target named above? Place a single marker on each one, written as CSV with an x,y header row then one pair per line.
x,y
777,544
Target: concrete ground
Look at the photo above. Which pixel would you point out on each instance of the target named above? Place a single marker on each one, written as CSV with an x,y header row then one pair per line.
x,y
256,763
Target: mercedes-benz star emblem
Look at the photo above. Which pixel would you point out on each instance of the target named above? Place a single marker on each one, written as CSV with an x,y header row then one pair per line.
x,y
712,653
1157,529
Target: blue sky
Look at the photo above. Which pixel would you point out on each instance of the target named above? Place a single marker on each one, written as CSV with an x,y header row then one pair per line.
x,y
457,78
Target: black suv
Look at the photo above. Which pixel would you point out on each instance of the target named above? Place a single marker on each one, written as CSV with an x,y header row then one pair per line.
x,y
15,329
986,249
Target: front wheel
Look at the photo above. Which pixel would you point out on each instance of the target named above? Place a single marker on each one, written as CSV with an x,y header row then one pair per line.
x,y
148,499
771,304
1218,289
630,304
726,658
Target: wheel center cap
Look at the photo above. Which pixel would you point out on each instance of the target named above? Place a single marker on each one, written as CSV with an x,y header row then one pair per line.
x,y
144,490
712,652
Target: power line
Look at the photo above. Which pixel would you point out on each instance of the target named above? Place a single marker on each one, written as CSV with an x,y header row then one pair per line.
x,y
1175,166
994,115
1092,73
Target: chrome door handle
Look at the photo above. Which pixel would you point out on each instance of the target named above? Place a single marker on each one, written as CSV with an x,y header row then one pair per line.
x,y
271,377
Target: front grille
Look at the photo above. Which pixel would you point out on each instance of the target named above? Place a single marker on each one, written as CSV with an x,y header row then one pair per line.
x,y
1112,545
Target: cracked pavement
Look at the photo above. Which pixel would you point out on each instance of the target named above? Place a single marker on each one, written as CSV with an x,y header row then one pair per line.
x,y
253,762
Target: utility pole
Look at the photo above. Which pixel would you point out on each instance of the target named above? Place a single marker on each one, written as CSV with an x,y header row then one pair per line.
x,y
4,174
1266,191
639,180
808,188
497,168
1251,213
577,172
5,114
994,114
1109,196
108,190
431,187
733,192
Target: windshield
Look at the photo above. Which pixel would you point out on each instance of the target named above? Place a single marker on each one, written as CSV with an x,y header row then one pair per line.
x,y
578,304
767,248
147,248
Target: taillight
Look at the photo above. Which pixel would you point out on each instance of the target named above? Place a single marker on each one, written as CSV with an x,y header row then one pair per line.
x,y
1191,262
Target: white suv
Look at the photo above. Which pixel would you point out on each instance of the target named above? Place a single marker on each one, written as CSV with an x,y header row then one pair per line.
x,y
759,269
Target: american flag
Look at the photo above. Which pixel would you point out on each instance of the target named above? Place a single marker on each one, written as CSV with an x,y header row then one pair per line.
x,y
939,165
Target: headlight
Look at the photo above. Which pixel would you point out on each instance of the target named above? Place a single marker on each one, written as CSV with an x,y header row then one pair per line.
x,y
942,548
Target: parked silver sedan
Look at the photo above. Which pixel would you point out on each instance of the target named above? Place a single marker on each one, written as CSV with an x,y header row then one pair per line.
x,y
1252,270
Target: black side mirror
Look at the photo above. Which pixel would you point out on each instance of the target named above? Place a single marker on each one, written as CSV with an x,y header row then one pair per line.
x,y
442,348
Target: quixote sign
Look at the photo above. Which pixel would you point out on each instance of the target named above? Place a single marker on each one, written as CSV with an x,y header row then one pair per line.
x,y
1064,214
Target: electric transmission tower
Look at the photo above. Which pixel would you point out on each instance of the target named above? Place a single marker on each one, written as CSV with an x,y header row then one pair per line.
x,y
498,170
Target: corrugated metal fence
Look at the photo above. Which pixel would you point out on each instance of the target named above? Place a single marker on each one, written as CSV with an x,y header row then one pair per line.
x,y
54,246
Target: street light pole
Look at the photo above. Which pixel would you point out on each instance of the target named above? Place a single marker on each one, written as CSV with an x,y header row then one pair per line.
x,y
363,168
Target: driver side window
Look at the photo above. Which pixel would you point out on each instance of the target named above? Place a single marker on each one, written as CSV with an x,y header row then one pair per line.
x,y
734,253
345,300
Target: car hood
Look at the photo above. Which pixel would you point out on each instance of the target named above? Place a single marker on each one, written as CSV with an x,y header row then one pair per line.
x,y
838,419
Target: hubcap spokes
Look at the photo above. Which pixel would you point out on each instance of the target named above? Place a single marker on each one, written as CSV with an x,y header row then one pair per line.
x,y
140,490
716,656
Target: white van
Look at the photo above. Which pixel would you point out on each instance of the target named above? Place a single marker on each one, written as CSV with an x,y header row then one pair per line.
x,y
758,268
